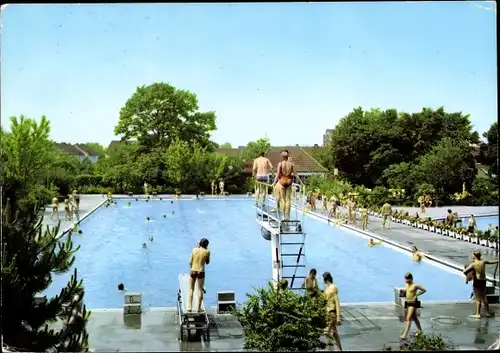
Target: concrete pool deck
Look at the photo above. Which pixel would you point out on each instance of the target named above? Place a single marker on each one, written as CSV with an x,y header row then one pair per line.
x,y
88,204
364,327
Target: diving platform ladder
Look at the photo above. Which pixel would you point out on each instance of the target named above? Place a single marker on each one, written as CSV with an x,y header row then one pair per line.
x,y
287,237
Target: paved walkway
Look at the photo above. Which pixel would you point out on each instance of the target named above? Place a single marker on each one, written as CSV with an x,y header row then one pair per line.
x,y
463,211
88,204
364,327
449,249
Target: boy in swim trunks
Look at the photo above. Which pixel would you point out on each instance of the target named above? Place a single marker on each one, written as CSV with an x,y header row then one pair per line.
x,y
478,266
331,294
283,181
200,257
412,292
261,168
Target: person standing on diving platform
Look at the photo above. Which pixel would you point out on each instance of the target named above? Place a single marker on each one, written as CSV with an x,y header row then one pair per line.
x,y
283,182
200,257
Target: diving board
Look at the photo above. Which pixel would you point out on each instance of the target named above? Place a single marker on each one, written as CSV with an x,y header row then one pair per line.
x,y
193,324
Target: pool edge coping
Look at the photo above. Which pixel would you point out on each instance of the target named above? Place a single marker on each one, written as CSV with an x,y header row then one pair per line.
x,y
69,228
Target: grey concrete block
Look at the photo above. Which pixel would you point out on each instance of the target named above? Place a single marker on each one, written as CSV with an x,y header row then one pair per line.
x,y
132,309
133,298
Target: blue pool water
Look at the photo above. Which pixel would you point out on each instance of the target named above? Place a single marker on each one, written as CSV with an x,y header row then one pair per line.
x,y
482,222
111,253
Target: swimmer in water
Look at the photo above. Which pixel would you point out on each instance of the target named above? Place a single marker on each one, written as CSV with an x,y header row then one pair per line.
x,y
372,243
150,239
171,201
200,256
144,245
148,219
129,204
173,212
121,287
417,256
164,216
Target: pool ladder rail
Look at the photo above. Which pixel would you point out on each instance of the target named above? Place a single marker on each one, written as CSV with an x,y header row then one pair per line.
x,y
292,237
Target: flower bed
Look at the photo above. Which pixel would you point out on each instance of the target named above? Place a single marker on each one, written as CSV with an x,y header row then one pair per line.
x,y
488,238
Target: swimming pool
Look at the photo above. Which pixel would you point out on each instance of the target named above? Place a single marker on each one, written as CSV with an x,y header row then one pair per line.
x,y
482,222
111,253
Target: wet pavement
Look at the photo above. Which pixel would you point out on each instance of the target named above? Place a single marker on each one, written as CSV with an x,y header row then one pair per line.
x,y
364,327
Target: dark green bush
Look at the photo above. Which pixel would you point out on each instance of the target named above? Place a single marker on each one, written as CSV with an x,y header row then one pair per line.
x,y
424,342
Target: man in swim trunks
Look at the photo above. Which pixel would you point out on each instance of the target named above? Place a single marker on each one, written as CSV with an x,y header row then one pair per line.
x,y
386,215
261,168
472,224
213,187
283,181
331,294
311,284
478,266
364,217
200,257
412,292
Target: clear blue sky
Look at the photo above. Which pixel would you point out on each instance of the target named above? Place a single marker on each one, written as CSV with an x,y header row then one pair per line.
x,y
288,70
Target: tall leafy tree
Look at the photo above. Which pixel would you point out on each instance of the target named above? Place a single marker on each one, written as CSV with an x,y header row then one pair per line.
x,y
254,148
364,144
30,254
489,150
27,153
447,166
158,114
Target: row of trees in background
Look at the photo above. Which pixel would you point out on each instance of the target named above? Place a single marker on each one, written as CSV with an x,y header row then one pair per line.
x,y
429,152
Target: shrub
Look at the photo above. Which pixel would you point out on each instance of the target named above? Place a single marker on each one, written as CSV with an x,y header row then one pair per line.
x,y
281,320
425,342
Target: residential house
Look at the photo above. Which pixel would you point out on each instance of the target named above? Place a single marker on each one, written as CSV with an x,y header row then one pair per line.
x,y
79,150
305,164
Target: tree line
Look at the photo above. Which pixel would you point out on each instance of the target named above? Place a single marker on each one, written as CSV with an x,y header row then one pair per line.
x,y
431,151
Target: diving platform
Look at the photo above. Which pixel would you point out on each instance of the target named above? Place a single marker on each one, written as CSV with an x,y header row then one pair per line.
x,y
286,237
194,325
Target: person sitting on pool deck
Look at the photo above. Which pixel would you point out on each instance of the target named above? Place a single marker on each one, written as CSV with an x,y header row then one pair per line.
x,y
200,256
311,284
479,282
417,256
372,243
412,292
